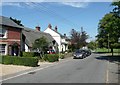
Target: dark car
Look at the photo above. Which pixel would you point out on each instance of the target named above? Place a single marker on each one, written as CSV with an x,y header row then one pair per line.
x,y
88,52
79,54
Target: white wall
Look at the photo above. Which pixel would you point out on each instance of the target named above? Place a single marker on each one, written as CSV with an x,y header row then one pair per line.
x,y
26,48
56,37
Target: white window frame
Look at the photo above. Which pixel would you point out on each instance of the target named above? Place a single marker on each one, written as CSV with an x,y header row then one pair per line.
x,y
3,49
5,34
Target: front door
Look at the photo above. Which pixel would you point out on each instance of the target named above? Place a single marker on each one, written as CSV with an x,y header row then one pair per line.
x,y
15,50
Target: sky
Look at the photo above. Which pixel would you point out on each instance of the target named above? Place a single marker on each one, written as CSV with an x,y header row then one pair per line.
x,y
64,15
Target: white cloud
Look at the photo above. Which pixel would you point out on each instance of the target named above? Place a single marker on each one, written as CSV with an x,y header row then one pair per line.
x,y
10,4
58,0
76,4
32,4
18,4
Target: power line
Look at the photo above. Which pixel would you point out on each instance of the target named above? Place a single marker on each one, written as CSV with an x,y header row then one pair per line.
x,y
53,13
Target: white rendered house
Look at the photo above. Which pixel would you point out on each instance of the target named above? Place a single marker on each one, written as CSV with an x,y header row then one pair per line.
x,y
59,38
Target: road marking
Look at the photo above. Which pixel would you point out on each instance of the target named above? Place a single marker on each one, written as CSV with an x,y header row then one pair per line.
x,y
107,73
54,64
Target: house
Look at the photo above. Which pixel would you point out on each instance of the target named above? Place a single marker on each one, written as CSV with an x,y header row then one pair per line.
x,y
15,38
58,37
10,37
30,35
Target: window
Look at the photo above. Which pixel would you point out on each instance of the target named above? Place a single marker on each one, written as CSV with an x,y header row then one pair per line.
x,y
3,33
2,49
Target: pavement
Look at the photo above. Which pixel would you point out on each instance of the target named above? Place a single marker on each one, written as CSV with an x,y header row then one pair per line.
x,y
119,73
7,70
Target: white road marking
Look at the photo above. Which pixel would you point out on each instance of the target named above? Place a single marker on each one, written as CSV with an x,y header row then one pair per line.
x,y
107,73
54,64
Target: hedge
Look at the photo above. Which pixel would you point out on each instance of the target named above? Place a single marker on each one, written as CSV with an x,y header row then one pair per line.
x,y
52,57
28,54
15,60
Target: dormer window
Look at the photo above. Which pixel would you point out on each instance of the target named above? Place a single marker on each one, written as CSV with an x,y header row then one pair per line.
x,y
3,33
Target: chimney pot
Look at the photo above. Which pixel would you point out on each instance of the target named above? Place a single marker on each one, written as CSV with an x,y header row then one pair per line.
x,y
64,35
49,26
56,28
38,28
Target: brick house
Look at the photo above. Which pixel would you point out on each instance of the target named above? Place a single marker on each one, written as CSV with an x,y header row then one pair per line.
x,y
10,37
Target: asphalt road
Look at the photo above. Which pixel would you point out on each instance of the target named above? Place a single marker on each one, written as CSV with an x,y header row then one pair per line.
x,y
87,70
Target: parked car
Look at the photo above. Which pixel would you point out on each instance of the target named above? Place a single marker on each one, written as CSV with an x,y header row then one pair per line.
x,y
88,52
79,54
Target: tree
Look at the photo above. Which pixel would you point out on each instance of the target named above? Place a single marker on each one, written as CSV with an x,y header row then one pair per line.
x,y
92,45
109,29
116,10
41,44
78,39
17,21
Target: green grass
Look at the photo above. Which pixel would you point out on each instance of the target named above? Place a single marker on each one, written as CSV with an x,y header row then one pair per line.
x,y
105,50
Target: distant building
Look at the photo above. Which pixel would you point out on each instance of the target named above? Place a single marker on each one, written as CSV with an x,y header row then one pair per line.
x,y
58,37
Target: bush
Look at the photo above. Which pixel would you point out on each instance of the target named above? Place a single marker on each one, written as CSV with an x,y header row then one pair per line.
x,y
52,57
62,56
15,60
45,58
28,54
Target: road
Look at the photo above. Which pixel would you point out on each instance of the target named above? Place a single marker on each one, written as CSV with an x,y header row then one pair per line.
x,y
87,70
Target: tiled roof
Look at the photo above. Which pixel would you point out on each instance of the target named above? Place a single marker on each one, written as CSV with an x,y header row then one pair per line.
x,y
8,22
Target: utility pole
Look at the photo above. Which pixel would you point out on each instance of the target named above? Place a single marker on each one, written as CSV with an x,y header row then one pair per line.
x,y
108,43
81,30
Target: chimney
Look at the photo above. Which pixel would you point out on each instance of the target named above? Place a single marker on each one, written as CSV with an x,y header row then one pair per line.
x,y
56,28
64,35
49,26
38,28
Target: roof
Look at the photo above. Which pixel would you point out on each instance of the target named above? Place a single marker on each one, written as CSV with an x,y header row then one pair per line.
x,y
8,22
57,32
31,35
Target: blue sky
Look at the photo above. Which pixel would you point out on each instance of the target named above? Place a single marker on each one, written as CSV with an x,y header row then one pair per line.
x,y
66,16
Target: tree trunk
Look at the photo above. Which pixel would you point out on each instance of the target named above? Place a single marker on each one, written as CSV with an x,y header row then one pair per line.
x,y
112,51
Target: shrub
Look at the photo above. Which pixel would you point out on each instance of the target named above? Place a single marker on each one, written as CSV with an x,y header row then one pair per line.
x,y
28,54
45,57
52,57
62,56
15,60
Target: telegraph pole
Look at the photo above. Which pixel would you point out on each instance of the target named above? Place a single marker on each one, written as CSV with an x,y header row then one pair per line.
x,y
108,43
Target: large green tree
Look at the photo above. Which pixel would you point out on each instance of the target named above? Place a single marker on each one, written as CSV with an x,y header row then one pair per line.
x,y
109,28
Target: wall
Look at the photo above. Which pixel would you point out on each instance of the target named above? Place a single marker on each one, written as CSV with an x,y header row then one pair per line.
x,y
56,37
13,35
